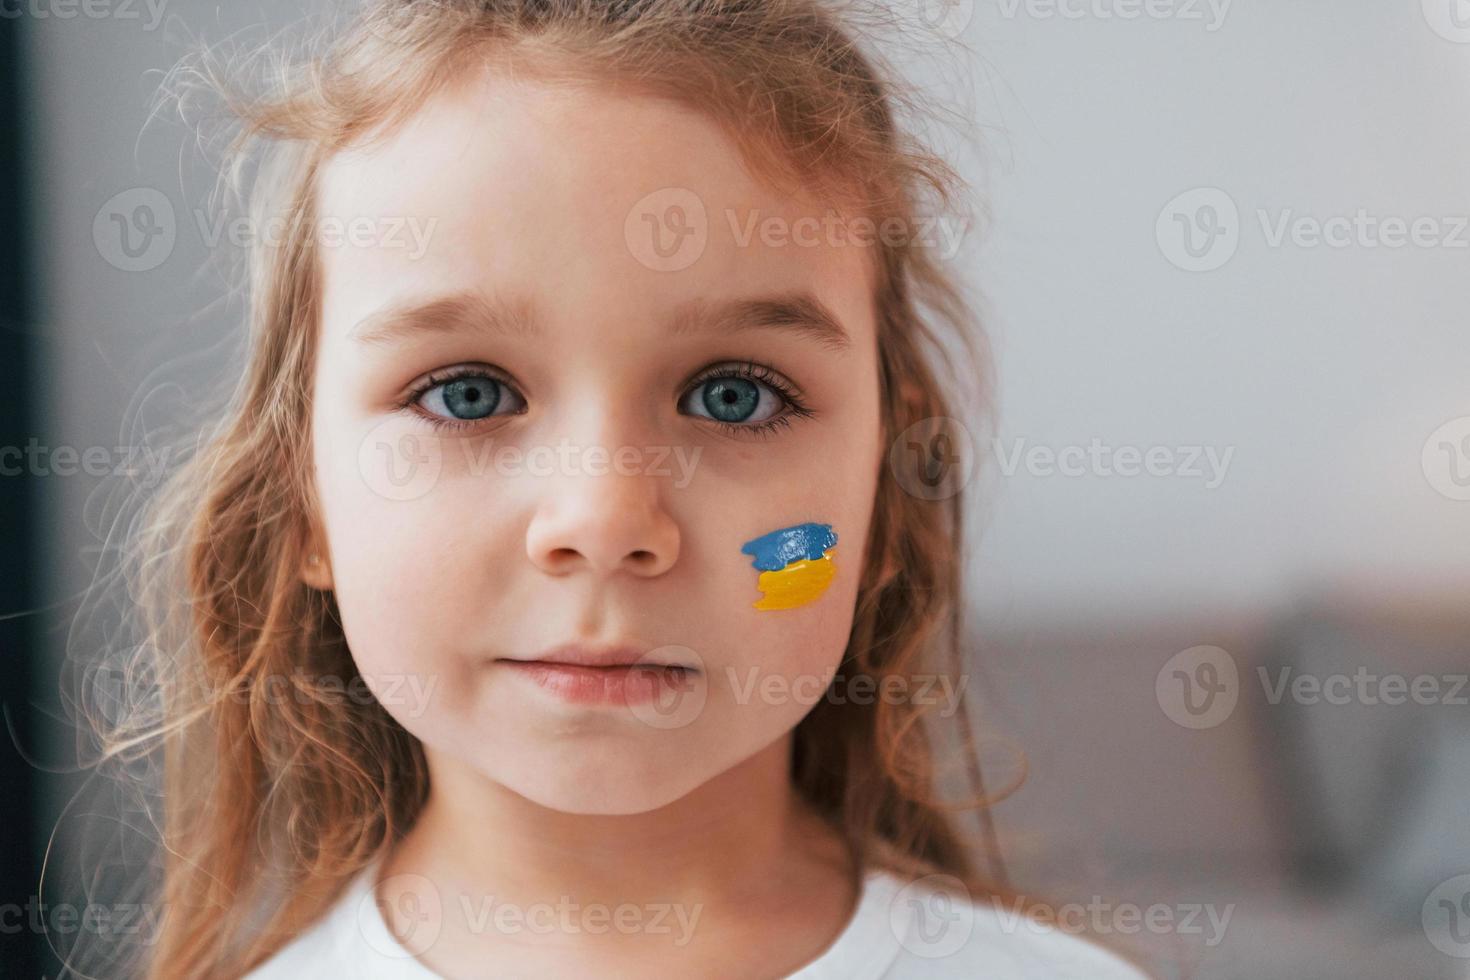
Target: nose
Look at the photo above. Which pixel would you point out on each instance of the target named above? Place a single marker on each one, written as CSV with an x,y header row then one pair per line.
x,y
607,523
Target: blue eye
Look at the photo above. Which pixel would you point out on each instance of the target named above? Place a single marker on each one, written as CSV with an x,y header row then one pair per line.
x,y
467,398
733,400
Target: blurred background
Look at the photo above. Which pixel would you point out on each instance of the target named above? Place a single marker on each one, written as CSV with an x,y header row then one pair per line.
x,y
1220,568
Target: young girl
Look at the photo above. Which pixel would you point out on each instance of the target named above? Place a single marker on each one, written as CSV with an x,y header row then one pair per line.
x,y
558,596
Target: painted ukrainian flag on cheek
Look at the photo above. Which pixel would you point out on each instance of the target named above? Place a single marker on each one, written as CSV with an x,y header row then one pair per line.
x,y
795,562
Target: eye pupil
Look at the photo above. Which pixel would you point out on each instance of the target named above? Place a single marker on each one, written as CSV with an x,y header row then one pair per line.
x,y
731,399
471,398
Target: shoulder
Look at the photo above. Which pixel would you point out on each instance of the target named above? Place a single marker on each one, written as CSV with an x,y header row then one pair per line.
x,y
307,955
943,933
349,940
324,948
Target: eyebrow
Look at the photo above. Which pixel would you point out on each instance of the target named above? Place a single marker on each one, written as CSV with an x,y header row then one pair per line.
x,y
447,314
800,313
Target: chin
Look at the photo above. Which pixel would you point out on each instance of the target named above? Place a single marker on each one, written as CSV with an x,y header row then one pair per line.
x,y
603,787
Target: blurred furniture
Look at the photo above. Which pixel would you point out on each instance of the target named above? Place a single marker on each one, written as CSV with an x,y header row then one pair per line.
x,y
1320,825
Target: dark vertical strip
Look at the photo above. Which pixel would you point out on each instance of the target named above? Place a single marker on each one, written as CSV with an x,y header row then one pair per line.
x,y
19,637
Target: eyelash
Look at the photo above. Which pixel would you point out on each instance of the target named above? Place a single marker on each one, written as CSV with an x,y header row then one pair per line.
x,y
436,378
785,390
794,400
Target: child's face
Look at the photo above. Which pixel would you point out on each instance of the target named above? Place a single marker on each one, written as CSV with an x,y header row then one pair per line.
x,y
590,492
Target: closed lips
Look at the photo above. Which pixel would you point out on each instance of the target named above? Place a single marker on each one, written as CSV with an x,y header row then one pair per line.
x,y
604,658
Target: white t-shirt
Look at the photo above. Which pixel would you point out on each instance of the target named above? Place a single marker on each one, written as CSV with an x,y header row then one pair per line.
x,y
899,931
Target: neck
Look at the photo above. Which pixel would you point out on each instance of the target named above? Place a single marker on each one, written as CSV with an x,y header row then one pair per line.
x,y
724,838
742,861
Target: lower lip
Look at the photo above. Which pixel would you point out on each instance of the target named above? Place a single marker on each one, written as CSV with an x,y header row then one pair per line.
x,y
619,685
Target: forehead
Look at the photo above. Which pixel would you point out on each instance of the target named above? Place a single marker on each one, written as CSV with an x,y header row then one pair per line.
x,y
586,199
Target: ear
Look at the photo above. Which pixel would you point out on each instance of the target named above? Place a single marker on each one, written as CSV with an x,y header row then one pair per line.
x,y
316,569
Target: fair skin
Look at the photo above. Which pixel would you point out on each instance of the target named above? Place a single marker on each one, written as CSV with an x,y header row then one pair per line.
x,y
534,798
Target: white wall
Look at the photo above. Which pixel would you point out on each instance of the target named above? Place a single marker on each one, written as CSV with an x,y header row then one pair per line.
x,y
1326,369
104,331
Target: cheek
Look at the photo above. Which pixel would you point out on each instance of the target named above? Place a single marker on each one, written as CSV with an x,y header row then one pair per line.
x,y
412,598
791,647
790,619
400,564
799,647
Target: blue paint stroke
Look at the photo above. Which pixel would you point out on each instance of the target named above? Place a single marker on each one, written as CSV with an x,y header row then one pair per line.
x,y
773,552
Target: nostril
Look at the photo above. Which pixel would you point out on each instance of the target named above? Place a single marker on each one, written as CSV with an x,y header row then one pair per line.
x,y
642,557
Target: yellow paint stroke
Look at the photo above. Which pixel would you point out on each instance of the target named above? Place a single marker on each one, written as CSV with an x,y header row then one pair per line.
x,y
797,584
